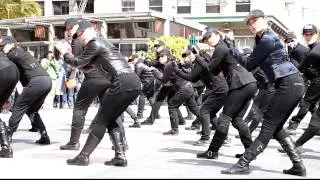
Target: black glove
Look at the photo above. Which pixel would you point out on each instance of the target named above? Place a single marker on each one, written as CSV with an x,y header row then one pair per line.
x,y
175,66
229,42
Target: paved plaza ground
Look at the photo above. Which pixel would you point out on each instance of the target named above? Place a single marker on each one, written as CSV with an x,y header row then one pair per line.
x,y
150,154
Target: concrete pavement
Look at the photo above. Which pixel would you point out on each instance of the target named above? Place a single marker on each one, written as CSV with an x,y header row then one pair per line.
x,y
150,154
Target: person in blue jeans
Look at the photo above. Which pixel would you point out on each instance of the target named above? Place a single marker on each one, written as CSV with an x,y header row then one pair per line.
x,y
270,54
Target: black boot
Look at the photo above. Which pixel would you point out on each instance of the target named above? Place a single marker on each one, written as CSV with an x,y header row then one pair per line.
x,y
83,158
208,155
6,151
118,144
242,166
293,125
298,168
125,145
136,124
44,139
73,143
154,112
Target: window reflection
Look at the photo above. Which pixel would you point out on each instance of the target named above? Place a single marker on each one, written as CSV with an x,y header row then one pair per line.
x,y
135,29
155,5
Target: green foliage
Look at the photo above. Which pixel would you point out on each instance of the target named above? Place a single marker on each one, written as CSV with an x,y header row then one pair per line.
x,y
10,9
176,45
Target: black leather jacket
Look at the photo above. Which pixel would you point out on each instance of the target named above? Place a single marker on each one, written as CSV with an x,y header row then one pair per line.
x,y
200,72
144,73
103,55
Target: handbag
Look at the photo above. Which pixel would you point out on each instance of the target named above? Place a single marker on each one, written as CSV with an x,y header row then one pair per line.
x,y
71,83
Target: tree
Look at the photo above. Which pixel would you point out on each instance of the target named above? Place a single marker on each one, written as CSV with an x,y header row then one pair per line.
x,y
177,45
10,9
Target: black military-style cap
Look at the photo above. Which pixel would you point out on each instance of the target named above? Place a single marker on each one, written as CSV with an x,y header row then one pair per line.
x,y
309,28
290,35
71,22
254,14
83,25
208,32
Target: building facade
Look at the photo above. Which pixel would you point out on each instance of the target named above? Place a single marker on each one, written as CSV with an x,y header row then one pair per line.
x,y
129,24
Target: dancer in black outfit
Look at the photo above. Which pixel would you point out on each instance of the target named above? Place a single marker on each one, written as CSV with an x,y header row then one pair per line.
x,y
242,87
270,55
310,67
125,86
216,93
93,85
9,76
36,83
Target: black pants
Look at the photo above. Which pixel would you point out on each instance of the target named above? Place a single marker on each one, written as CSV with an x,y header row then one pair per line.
x,y
259,107
121,96
212,103
183,95
288,92
90,89
309,101
312,130
30,101
9,77
234,107
148,91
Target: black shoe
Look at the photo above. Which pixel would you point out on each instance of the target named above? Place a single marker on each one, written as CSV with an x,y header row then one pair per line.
x,y
237,169
70,146
147,122
81,160
6,152
201,142
208,155
171,132
192,127
135,125
44,140
33,129
297,169
237,136
117,161
182,123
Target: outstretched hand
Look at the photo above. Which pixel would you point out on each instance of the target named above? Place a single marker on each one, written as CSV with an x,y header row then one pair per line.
x,y
63,47
229,42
